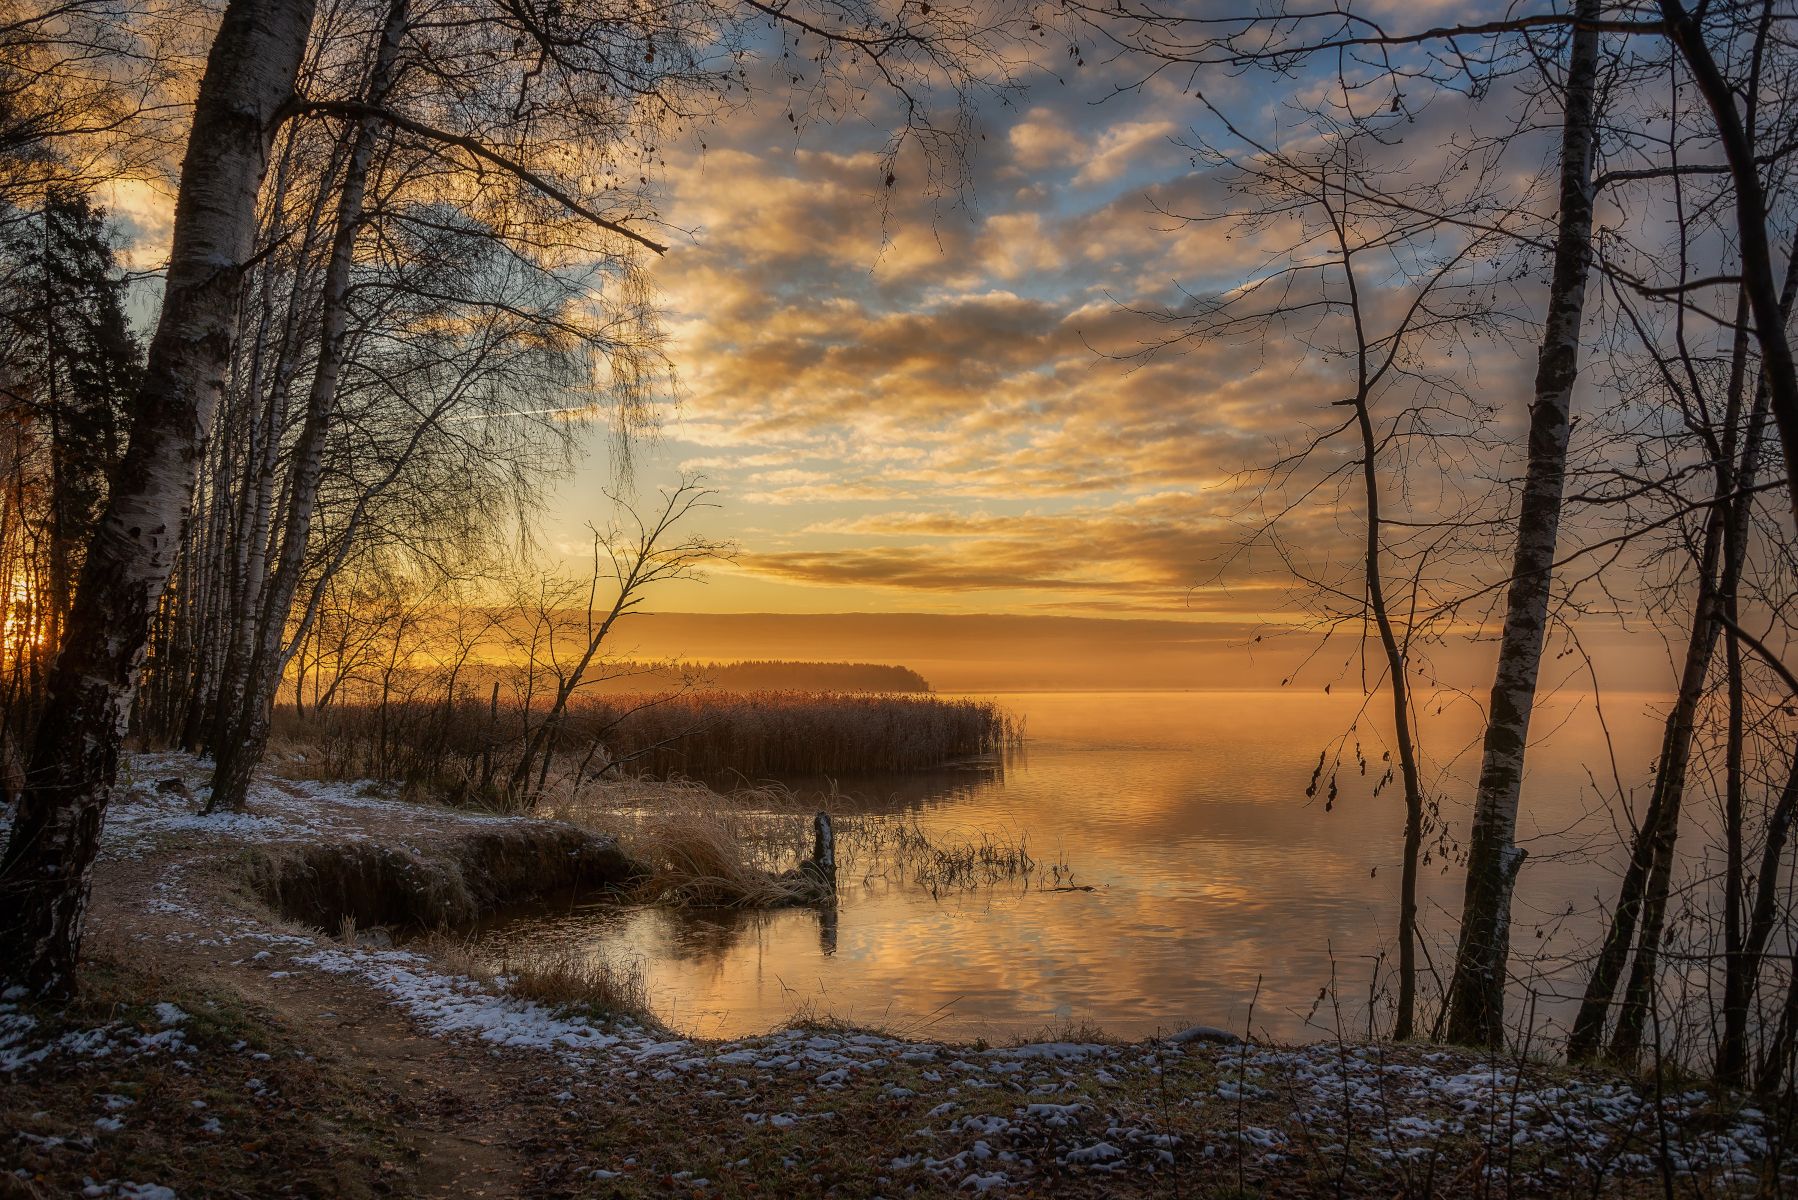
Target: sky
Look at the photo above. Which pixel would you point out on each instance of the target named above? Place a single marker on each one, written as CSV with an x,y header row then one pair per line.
x,y
904,403
916,404
929,405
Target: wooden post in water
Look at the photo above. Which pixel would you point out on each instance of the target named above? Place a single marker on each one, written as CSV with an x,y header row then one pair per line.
x,y
822,865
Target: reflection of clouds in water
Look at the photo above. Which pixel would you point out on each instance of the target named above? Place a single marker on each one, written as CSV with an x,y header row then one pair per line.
x,y
1215,878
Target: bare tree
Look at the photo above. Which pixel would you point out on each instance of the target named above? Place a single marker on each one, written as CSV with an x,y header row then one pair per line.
x,y
1477,993
1382,270
627,562
46,871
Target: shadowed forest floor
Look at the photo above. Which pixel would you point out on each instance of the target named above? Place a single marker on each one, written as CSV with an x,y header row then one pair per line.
x,y
217,1049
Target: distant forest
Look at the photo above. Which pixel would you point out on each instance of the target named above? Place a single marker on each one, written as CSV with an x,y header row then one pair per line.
x,y
774,676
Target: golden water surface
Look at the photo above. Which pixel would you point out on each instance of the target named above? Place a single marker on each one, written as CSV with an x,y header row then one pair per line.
x,y
1217,883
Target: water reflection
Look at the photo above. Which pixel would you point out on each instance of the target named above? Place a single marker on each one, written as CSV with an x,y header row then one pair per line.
x,y
1217,885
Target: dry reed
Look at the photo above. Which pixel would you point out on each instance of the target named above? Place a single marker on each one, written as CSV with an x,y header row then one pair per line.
x,y
462,750
741,848
595,985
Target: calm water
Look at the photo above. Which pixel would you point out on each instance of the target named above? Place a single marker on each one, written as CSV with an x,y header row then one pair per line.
x,y
1217,883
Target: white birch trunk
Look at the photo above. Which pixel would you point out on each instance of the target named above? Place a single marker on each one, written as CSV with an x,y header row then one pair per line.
x,y
47,867
245,734
1477,994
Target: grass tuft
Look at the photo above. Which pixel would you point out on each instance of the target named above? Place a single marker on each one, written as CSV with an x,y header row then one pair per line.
x,y
597,986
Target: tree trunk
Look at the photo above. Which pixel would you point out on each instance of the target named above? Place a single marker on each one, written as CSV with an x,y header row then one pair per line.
x,y
245,734
1737,142
1760,929
47,868
1732,1053
1404,1022
1477,994
1651,858
1642,892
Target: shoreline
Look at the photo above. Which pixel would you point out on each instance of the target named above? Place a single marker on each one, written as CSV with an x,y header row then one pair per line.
x,y
543,1102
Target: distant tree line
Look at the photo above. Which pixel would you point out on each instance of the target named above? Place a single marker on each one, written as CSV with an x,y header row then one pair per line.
x,y
778,676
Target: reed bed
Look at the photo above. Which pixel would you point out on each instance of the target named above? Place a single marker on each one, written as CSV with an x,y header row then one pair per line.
x,y
632,765
779,734
461,750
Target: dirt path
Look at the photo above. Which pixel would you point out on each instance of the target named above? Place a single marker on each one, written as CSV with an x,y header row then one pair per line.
x,y
465,1109
464,1122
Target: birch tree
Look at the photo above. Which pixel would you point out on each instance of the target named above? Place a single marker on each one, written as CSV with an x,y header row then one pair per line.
x,y
46,870
240,743
1477,993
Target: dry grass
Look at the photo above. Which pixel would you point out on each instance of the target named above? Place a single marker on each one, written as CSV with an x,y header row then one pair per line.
x,y
710,849
463,752
710,860
897,847
595,985
314,1121
600,987
1177,1120
741,849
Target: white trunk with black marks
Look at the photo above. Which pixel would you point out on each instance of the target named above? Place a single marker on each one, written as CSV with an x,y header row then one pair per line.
x,y
251,566
1477,994
257,509
245,733
45,874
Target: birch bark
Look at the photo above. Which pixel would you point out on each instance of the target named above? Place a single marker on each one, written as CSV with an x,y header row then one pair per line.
x,y
245,732
47,867
1477,994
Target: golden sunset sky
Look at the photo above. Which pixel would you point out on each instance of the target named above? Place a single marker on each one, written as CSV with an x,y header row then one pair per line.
x,y
914,401
906,403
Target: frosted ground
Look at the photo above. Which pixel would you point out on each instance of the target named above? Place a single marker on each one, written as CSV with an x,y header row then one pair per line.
x,y
949,1117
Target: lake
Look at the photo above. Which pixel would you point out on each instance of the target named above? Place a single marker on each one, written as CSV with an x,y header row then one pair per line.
x,y
1217,884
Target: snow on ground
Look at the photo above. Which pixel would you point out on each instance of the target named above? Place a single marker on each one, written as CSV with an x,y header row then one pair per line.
x,y
288,812
1333,1095
127,1190
20,1050
1405,1109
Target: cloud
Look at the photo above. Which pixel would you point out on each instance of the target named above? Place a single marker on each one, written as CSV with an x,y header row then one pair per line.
x,y
1042,141
1168,552
1124,146
934,397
